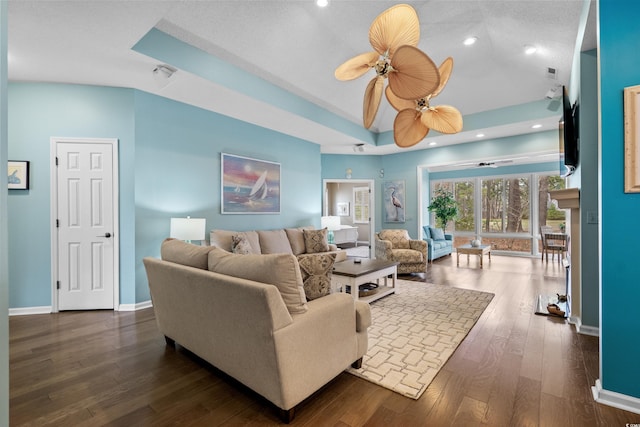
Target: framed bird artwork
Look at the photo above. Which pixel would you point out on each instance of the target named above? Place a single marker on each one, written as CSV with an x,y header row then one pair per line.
x,y
394,200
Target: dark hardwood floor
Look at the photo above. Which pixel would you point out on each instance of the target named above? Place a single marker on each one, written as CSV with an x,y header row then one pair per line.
x,y
515,368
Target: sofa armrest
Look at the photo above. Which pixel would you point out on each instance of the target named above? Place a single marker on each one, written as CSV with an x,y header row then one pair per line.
x,y
363,316
384,249
419,245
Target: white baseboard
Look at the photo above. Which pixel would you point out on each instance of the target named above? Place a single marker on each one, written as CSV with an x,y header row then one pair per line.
x,y
588,330
584,329
23,311
617,400
47,309
134,307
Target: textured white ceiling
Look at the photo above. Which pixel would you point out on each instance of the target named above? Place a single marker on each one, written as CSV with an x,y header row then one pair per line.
x,y
297,46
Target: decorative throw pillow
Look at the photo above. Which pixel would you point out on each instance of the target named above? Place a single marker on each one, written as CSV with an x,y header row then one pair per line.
x,y
315,241
316,274
280,270
436,233
240,245
296,239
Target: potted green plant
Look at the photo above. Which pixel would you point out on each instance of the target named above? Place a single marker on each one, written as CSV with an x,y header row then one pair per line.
x,y
445,207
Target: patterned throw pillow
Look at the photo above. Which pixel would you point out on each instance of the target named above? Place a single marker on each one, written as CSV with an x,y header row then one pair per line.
x,y
240,245
316,274
315,241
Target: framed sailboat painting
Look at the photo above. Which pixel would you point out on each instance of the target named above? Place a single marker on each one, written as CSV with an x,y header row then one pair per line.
x,y
249,186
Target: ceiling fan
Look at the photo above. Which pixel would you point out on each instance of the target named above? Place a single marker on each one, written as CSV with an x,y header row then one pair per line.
x,y
416,117
394,35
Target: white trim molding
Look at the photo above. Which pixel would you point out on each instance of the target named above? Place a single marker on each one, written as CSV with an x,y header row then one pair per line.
x,y
584,329
135,307
23,311
617,400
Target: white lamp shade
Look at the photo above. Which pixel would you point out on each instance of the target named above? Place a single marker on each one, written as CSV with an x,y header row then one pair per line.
x,y
330,222
188,228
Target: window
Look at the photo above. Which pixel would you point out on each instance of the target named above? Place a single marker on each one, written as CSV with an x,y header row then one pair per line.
x,y
548,212
361,205
464,194
505,205
503,211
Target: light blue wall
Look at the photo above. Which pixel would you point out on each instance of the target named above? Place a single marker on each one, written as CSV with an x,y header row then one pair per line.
x,y
404,166
4,276
36,113
169,165
588,169
177,173
619,227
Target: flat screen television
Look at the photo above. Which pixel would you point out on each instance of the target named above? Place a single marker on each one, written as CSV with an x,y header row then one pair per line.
x,y
568,135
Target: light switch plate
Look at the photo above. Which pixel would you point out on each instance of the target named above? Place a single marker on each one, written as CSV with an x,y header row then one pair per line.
x,y
592,217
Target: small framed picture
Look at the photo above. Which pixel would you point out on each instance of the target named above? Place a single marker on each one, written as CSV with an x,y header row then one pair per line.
x,y
343,209
18,178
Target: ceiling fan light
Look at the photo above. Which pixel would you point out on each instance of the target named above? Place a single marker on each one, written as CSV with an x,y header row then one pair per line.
x,y
470,40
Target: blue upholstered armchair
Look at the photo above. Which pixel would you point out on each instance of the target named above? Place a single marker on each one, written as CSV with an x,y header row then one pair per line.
x,y
438,243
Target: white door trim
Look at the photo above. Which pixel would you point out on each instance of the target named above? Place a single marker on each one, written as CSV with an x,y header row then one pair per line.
x,y
372,211
53,216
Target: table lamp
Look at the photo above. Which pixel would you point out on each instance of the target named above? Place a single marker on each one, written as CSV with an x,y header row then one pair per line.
x,y
330,223
188,228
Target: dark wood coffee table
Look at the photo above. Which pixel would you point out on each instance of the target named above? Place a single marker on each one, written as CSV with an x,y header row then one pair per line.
x,y
352,274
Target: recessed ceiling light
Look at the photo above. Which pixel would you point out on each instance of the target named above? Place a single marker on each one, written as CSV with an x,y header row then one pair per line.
x,y
432,143
470,40
322,3
479,135
536,126
530,50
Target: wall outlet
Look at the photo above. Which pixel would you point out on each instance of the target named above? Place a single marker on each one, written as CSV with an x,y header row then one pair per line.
x,y
592,217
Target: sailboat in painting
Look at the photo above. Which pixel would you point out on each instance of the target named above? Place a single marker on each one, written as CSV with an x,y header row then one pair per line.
x,y
260,188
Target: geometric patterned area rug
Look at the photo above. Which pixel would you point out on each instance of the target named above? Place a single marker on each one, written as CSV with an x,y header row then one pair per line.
x,y
415,331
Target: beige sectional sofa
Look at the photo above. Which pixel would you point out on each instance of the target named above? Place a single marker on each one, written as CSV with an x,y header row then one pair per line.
x,y
287,240
248,316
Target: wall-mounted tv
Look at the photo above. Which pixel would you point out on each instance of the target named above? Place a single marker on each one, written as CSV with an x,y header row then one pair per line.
x,y
569,139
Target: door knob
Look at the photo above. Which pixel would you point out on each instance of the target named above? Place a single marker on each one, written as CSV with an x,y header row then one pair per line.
x,y
107,235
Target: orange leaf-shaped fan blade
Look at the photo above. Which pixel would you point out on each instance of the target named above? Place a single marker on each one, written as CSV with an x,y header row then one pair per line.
x,y
443,118
372,97
415,75
398,103
445,72
356,66
395,27
408,130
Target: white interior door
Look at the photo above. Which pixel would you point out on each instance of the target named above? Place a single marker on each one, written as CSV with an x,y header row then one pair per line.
x,y
85,224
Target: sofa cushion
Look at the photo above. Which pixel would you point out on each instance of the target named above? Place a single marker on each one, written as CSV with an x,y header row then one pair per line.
x,y
407,255
224,239
316,274
274,242
398,238
280,270
180,252
315,241
296,239
436,233
240,245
